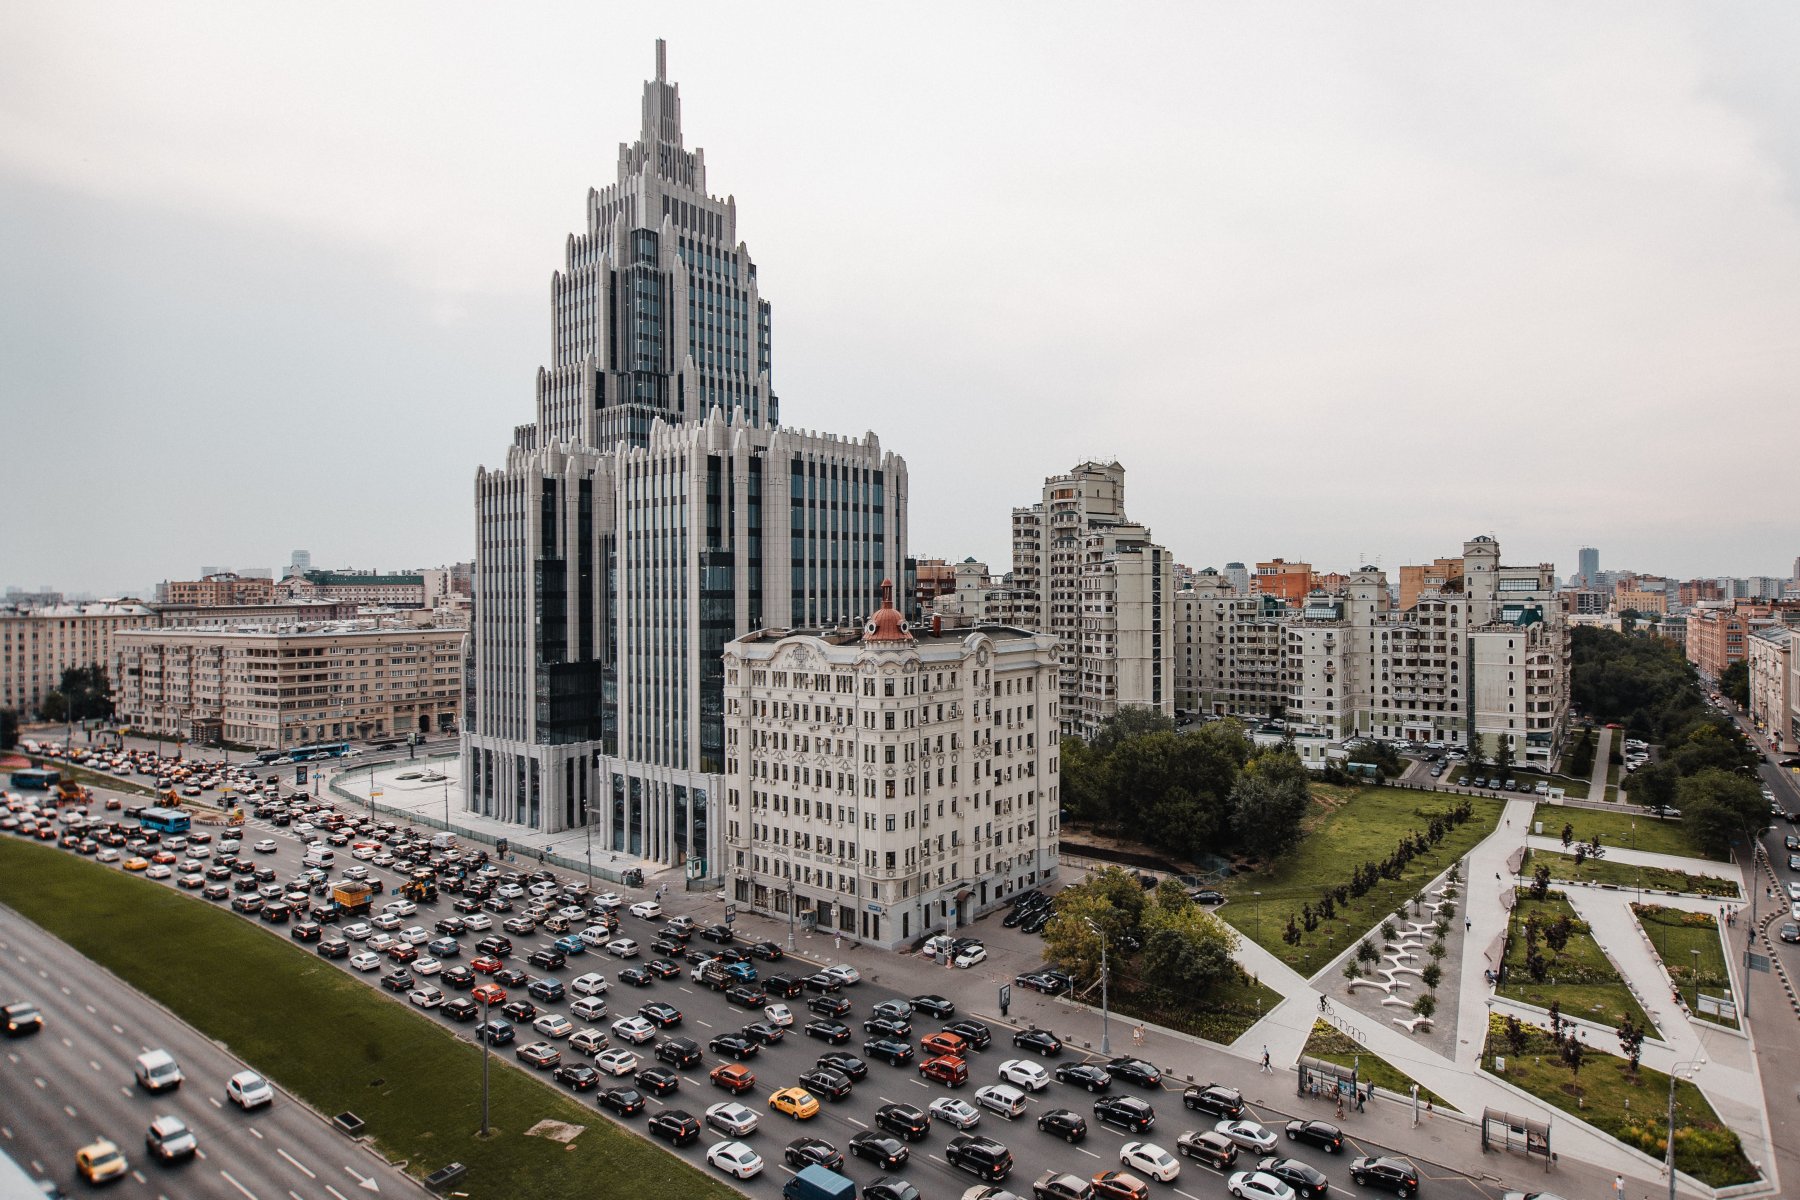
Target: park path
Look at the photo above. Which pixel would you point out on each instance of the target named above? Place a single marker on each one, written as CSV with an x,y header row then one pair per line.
x,y
1644,858
1602,759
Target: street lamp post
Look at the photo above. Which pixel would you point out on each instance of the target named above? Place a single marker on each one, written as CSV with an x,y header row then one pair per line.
x,y
487,1035
1258,896
1105,1005
1696,955
790,908
1675,1074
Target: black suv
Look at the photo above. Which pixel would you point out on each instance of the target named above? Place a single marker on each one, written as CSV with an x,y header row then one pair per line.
x,y
1216,1099
678,1051
909,1122
1066,1124
980,1156
784,986
548,958
1395,1174
1126,1112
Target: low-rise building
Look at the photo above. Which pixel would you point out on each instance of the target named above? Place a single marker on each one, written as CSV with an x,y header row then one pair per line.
x,y
38,644
1769,653
285,686
887,783
222,588
403,590
237,616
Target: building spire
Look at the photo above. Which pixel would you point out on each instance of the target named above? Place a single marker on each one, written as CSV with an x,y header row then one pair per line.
x,y
662,61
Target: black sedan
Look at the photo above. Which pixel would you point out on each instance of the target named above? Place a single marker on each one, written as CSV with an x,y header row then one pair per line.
x,y
843,1060
1323,1134
746,995
460,1009
889,1187
665,1016
834,1032
1307,1182
886,1027
1790,932
892,1051
1135,1070
1084,1075
1064,1123
675,1127
578,1077
733,1045
636,977
397,980
767,951
766,1033
885,1152
626,1101
812,1151
658,1081
718,933
1039,1041
935,1006
823,981
662,968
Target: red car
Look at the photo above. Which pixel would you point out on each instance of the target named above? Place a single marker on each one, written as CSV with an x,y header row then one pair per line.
x,y
488,993
486,964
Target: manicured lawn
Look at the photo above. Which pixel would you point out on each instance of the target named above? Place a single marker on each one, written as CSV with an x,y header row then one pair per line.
x,y
1601,870
1328,1043
1597,1094
1348,827
1676,934
1220,1016
1581,979
1617,829
333,1041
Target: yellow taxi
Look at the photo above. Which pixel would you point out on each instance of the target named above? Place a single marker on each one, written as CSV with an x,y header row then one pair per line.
x,y
136,863
797,1103
100,1162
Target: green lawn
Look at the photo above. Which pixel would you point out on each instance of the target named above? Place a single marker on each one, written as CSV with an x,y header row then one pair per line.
x,y
332,1040
1599,1092
1677,934
1332,1045
1581,979
1628,827
1349,826
1220,1016
1600,870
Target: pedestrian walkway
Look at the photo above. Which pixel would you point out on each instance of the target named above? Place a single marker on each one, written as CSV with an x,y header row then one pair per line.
x,y
1602,761
1643,858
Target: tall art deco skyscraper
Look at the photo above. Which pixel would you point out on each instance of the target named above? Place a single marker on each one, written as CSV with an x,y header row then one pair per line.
x,y
654,510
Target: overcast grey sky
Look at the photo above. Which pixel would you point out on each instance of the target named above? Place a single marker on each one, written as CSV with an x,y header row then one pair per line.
x,y
1341,283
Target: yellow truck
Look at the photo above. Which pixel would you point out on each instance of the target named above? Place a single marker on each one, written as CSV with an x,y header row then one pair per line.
x,y
352,898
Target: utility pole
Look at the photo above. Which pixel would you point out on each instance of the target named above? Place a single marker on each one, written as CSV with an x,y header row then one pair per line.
x,y
1675,1074
790,907
1105,1005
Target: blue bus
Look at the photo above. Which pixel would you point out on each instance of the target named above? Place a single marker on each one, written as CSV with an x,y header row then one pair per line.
x,y
321,750
164,820
36,778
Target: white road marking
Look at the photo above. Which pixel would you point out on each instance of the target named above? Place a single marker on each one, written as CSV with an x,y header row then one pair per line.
x,y
854,1121
5,1132
214,1101
68,1043
302,1167
240,1187
256,1133
1088,1152
335,1192
1189,1195
70,1111
91,1009
200,1154
39,1081
698,1021
118,1029
139,1176
919,1083
124,1091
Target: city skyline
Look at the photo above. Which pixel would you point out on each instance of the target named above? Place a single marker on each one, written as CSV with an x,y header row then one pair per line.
x,y
1370,305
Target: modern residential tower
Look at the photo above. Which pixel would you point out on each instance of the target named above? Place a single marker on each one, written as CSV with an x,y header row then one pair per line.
x,y
653,511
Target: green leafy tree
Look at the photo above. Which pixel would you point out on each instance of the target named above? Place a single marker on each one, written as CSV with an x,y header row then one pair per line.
x,y
1266,813
9,729
1503,755
1425,1006
1352,969
1540,883
88,692
54,707
1631,1042
1720,807
1568,834
1579,760
1366,952
1131,722
1734,683
1654,785
1432,975
1187,950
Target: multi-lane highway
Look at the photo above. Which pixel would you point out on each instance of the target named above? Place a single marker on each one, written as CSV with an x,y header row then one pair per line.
x,y
705,1014
72,1084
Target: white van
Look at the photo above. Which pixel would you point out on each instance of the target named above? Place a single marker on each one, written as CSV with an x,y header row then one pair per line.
x,y
157,1071
319,856
1002,1098
443,841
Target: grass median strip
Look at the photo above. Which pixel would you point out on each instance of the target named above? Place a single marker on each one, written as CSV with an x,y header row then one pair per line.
x,y
1625,876
1632,829
332,1040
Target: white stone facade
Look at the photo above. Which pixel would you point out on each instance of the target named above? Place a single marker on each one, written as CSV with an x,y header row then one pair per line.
x,y
897,787
37,645
1769,651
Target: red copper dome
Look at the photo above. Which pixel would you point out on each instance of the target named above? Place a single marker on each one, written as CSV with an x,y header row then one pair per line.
x,y
887,625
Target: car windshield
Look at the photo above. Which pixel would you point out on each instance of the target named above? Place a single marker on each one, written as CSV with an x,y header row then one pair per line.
x,y
107,1157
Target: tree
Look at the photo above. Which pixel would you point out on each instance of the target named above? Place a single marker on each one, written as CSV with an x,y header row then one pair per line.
x,y
1432,975
1734,683
1628,620
1654,785
1366,952
1187,950
1540,883
1557,934
1579,761
9,729
1131,721
1425,1006
1503,755
1568,834
88,691
54,707
1266,814
1631,1042
1721,807
1352,969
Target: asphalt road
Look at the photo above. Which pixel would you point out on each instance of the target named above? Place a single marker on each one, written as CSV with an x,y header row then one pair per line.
x,y
72,1084
706,1014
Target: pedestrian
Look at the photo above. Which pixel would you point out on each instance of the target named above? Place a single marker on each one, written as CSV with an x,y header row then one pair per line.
x,y
1267,1067
1321,1003
1359,1099
1340,1106
1619,1187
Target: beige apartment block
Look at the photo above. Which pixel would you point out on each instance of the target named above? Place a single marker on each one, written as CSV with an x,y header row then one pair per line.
x,y
1769,653
888,782
38,645
274,688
